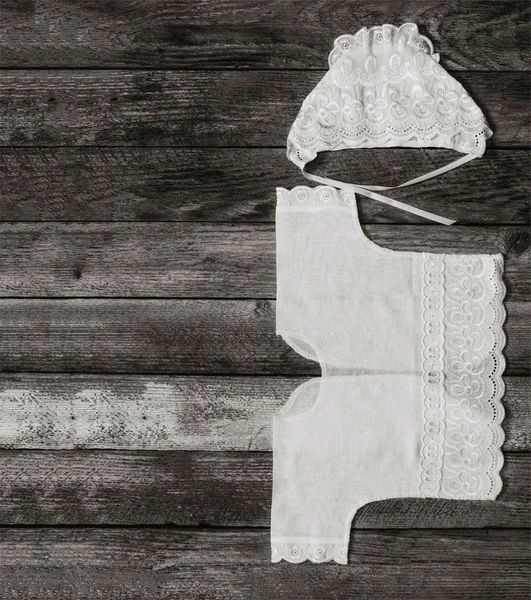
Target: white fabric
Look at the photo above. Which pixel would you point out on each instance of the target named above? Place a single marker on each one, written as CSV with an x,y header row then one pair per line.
x,y
410,348
385,88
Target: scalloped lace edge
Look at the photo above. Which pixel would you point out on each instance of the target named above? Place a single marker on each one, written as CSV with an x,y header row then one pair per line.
x,y
314,551
294,151
438,477
321,195
409,31
500,340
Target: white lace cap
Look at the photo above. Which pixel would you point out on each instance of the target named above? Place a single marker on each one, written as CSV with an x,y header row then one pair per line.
x,y
385,88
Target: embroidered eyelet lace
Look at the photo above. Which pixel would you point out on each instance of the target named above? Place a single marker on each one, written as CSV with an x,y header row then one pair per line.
x,y
386,88
317,552
462,374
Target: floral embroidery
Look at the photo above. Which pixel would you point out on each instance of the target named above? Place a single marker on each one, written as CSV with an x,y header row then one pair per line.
x,y
447,99
469,288
470,403
365,100
328,111
424,103
465,484
399,105
475,363
467,362
467,313
467,386
351,109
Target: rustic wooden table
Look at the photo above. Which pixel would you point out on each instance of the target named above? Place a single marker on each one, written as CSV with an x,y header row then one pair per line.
x,y
141,144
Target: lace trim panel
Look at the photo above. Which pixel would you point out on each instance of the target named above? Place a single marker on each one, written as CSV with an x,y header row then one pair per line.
x,y
463,366
432,375
474,363
322,195
317,552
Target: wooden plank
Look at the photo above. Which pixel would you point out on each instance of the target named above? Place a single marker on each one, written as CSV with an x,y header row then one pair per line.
x,y
194,108
52,411
185,563
237,184
213,488
173,336
242,33
205,260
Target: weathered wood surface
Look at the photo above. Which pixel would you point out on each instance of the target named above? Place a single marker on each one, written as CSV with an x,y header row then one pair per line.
x,y
238,184
173,336
209,488
243,33
172,412
158,564
208,145
204,259
200,108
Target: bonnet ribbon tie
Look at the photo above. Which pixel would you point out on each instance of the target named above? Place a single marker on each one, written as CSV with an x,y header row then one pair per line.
x,y
370,190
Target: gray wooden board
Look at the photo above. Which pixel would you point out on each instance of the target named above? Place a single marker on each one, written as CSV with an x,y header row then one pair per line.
x,y
201,108
179,111
204,259
164,564
165,412
238,184
93,487
173,336
243,33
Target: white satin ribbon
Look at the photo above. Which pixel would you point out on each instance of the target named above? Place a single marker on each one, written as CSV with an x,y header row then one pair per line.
x,y
370,190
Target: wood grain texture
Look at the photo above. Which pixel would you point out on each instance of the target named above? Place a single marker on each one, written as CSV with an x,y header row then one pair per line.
x,y
204,259
209,488
176,469
238,184
52,411
193,108
242,33
111,564
173,336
